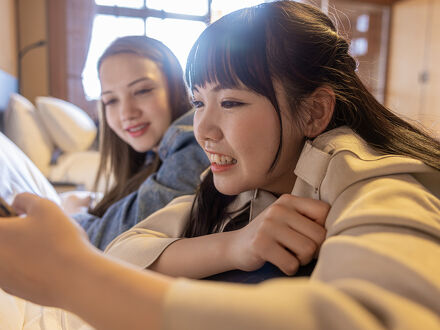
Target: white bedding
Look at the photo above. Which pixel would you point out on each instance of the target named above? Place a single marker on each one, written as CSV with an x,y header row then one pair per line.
x,y
19,314
19,174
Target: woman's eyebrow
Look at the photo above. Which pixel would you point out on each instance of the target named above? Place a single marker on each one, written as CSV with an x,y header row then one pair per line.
x,y
130,84
106,92
218,88
138,80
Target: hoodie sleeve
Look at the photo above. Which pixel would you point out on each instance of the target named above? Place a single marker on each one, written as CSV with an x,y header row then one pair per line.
x,y
378,269
145,242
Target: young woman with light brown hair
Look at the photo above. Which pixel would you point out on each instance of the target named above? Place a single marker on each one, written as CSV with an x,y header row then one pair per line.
x,y
145,162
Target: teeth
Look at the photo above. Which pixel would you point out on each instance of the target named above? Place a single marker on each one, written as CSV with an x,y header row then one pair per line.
x,y
135,129
221,159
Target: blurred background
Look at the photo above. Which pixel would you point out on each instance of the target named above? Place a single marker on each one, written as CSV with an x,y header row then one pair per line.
x,y
50,47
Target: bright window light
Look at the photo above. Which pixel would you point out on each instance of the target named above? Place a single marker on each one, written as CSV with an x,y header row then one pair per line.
x,y
362,23
359,47
189,7
121,3
105,29
221,8
179,35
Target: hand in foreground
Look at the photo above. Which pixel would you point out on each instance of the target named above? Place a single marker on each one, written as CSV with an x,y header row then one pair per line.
x,y
288,234
35,248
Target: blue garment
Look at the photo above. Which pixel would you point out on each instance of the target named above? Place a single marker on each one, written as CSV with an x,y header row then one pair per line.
x,y
182,163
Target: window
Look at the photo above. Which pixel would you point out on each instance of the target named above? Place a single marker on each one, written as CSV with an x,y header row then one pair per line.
x,y
124,3
221,8
159,19
106,28
180,43
188,7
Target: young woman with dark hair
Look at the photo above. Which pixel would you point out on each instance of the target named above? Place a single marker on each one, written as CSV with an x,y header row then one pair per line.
x,y
288,127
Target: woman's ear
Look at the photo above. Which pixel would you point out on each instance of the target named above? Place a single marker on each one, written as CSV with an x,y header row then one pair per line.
x,y
320,104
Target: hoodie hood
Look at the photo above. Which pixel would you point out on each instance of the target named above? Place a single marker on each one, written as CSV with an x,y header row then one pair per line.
x,y
340,158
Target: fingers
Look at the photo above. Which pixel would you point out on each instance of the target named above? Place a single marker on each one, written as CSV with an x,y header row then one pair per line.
x,y
312,230
24,202
12,226
291,232
280,257
30,204
313,209
302,247
279,214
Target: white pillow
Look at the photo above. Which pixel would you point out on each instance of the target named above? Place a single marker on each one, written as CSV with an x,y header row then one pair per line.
x,y
25,129
19,174
70,127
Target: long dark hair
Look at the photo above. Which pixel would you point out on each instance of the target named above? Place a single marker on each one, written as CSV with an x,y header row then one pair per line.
x,y
297,45
118,159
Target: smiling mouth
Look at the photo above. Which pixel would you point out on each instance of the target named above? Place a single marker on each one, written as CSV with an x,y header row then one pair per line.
x,y
135,129
221,159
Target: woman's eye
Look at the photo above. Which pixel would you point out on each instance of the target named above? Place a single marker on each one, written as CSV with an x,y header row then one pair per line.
x,y
231,104
109,102
143,91
197,104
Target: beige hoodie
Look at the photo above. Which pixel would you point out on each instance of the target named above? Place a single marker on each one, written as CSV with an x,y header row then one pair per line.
x,y
379,267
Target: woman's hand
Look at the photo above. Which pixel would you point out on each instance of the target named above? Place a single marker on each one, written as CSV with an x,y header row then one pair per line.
x,y
36,249
76,201
288,234
46,258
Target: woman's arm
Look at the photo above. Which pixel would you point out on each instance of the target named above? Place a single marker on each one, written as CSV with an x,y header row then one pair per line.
x,y
288,234
377,270
112,295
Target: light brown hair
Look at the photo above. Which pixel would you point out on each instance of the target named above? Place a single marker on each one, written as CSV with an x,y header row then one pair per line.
x,y
118,159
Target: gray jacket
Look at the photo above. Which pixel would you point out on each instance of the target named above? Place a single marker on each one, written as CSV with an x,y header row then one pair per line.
x,y
182,163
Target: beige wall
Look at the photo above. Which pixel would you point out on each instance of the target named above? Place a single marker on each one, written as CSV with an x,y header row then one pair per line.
x,y
8,38
32,24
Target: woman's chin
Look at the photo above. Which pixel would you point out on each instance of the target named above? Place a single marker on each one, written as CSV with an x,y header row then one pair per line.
x,y
228,189
143,147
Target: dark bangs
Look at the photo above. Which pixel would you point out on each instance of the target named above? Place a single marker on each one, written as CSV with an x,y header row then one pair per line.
x,y
232,52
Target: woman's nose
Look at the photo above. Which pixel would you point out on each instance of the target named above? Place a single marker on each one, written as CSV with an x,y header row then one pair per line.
x,y
129,109
207,125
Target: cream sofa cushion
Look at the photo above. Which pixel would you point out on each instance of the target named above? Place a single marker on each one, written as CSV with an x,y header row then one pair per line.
x,y
70,128
25,129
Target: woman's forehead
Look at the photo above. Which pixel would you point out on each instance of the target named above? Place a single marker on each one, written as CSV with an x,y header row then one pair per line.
x,y
122,70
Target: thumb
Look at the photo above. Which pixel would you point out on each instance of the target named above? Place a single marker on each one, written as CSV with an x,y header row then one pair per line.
x,y
24,203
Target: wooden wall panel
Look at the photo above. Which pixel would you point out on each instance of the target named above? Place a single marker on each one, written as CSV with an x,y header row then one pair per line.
x,y
32,26
8,37
431,110
407,51
57,35
414,73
